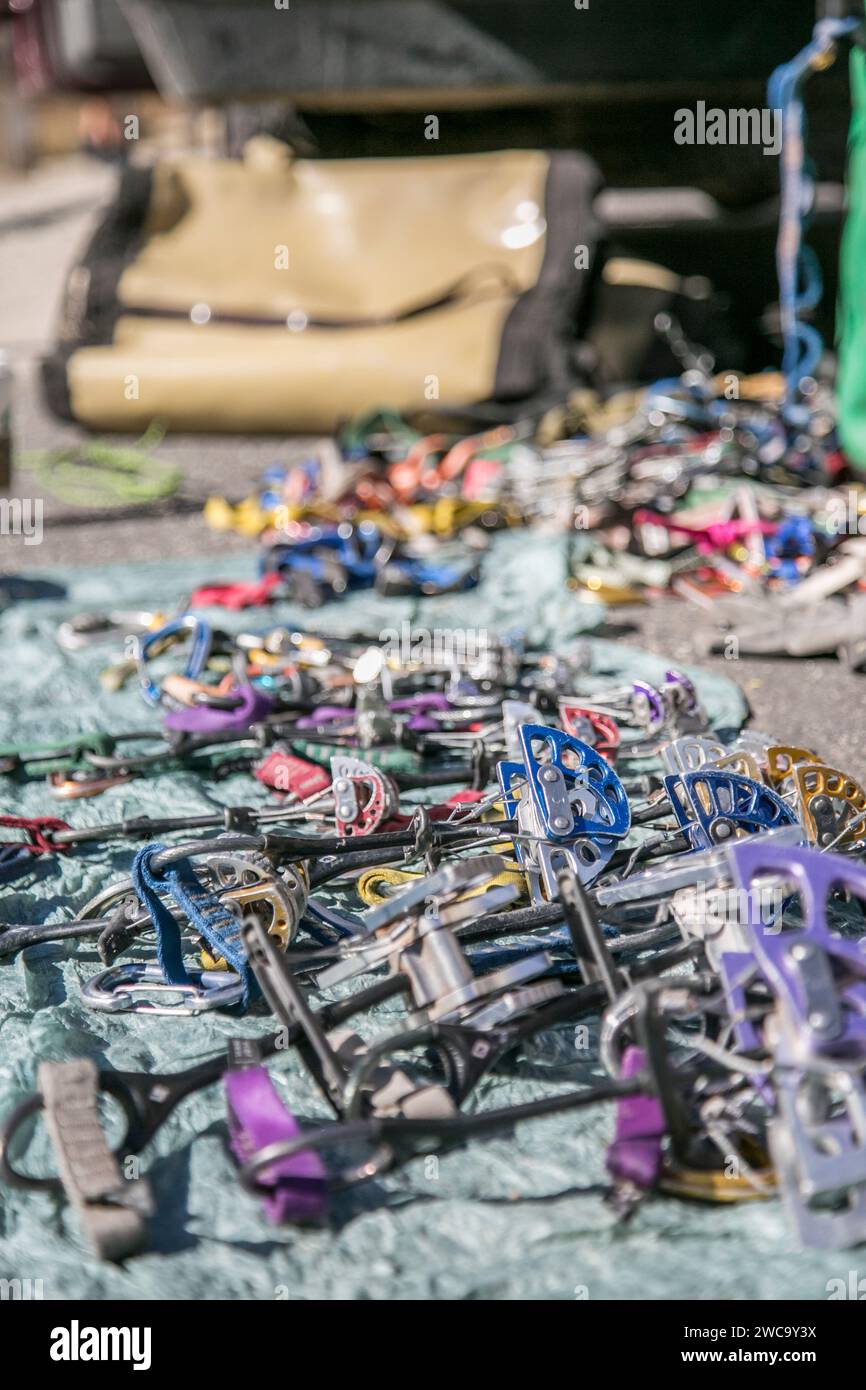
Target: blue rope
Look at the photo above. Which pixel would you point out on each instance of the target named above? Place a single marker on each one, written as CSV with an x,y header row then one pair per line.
x,y
800,283
213,921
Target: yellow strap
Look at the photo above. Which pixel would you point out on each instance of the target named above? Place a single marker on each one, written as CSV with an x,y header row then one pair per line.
x,y
246,517
715,1186
372,881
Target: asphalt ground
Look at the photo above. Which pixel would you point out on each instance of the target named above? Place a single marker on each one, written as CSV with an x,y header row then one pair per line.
x,y
45,218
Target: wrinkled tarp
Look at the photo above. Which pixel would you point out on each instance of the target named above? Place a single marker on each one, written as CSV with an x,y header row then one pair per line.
x,y
517,1216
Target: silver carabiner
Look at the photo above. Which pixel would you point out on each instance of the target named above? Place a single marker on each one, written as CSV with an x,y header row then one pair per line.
x,y
133,987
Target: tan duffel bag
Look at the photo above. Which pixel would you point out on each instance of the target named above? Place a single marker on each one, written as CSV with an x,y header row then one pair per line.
x,y
281,294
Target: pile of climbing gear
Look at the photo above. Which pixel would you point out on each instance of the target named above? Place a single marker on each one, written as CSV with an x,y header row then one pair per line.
x,y
729,490
508,847
502,845
721,499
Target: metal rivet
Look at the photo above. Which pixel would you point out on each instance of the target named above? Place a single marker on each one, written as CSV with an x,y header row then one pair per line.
x,y
819,1019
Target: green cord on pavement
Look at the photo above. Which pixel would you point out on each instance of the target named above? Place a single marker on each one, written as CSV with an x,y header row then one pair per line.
x,y
96,474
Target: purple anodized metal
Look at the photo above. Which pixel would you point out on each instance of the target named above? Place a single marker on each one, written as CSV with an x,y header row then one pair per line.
x,y
646,694
204,719
676,682
418,704
419,708
818,976
324,715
